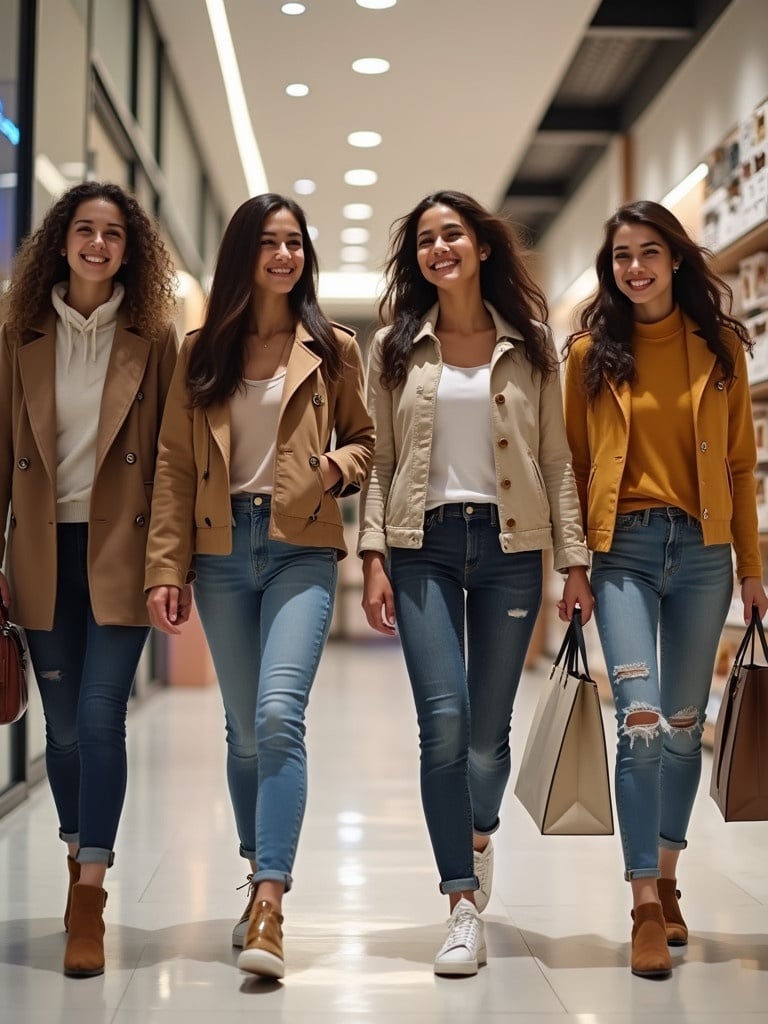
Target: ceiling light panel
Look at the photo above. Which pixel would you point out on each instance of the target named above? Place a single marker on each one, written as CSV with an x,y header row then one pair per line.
x,y
355,236
376,5
293,8
297,89
370,65
354,254
364,140
304,187
361,176
357,211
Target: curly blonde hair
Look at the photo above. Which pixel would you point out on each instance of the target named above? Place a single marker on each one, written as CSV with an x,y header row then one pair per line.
x,y
148,276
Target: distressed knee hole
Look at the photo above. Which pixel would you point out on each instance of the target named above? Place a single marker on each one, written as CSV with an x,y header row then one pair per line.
x,y
632,670
685,720
54,675
641,721
517,613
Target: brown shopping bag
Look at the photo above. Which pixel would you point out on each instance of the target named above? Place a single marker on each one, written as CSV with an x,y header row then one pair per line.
x,y
739,783
563,780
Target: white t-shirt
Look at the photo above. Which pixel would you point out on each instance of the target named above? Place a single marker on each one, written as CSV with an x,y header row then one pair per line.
x,y
462,466
254,417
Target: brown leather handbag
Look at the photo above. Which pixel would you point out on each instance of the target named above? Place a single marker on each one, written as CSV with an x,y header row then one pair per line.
x,y
739,783
13,670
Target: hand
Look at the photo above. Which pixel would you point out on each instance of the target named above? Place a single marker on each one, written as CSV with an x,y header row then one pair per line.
x,y
166,607
5,591
576,591
330,472
184,607
753,594
378,599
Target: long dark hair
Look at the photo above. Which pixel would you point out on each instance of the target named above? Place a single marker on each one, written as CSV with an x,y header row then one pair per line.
x,y
696,289
217,359
148,275
504,282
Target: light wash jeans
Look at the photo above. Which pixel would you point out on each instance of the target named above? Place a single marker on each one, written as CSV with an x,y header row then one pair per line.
x,y
461,579
266,611
85,673
661,602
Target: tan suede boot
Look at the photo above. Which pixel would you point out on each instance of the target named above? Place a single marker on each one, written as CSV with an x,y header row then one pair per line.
x,y
263,950
84,955
650,956
74,876
669,894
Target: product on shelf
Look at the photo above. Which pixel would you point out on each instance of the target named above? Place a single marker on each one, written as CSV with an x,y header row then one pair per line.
x,y
753,281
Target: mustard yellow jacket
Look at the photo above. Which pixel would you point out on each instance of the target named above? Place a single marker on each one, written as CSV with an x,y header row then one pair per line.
x,y
191,508
725,455
137,380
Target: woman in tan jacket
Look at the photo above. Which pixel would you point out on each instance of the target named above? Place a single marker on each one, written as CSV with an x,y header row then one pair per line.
x,y
658,415
246,491
86,357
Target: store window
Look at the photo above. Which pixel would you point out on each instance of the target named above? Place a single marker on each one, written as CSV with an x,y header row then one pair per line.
x,y
112,41
180,162
147,78
10,135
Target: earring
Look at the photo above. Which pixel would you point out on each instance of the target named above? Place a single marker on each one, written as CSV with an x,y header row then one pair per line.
x,y
675,268
64,253
483,255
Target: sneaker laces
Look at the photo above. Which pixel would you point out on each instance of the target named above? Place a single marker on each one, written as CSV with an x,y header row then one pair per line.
x,y
464,931
248,881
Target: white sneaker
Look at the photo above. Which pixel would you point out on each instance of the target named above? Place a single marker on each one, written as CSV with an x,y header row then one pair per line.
x,y
463,951
241,928
484,871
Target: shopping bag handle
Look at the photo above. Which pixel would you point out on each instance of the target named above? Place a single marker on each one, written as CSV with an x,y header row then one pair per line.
x,y
755,627
572,648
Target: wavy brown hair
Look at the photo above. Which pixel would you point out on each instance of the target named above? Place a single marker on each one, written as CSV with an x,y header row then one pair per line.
x,y
504,282
696,289
148,276
217,360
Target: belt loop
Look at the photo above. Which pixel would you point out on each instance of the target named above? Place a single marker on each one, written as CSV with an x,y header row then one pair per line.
x,y
494,517
646,516
440,513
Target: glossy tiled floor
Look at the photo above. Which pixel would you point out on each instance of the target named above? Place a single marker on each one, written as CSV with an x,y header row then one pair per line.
x,y
365,916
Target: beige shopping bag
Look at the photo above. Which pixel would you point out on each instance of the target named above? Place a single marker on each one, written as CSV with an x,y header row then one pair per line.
x,y
563,780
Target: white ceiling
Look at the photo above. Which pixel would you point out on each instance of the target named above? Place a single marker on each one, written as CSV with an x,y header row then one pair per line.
x,y
469,82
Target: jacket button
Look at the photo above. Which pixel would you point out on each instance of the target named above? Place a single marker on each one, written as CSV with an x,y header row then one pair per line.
x,y
703,446
503,442
207,521
13,520
499,399
314,461
23,463
705,514
510,522
130,458
506,484
317,400
139,396
720,386
139,520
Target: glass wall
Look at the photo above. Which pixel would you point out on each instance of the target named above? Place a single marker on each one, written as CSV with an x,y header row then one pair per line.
x,y
10,134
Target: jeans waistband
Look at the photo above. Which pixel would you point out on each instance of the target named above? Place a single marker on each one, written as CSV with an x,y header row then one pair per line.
x,y
466,510
663,512
246,502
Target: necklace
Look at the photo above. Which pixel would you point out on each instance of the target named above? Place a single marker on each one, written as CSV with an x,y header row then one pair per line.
x,y
268,342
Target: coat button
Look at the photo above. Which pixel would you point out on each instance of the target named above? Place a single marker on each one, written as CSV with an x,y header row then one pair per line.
x,y
510,523
208,521
720,386
317,400
703,446
130,458
705,514
314,461
506,484
23,463
139,396
503,442
499,399
13,520
139,520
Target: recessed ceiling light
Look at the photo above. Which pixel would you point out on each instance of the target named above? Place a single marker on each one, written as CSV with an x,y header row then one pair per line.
x,y
355,236
304,187
357,211
294,8
376,5
361,176
364,140
354,254
370,65
297,89
312,232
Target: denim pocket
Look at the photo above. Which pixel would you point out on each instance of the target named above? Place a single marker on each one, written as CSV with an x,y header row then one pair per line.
x,y
430,518
629,521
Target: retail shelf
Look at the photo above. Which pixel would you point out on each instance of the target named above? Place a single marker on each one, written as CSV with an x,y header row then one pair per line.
x,y
726,261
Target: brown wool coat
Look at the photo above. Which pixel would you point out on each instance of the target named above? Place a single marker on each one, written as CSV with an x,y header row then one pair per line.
x,y
137,381
191,509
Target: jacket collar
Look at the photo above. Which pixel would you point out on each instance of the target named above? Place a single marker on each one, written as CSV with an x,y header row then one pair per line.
x,y
504,331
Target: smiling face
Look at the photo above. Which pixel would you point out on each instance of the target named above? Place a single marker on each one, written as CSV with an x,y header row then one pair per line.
x,y
447,249
95,244
643,266
280,261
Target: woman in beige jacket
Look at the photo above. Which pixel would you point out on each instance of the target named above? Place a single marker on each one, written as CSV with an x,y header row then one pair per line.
x,y
246,490
471,481
86,357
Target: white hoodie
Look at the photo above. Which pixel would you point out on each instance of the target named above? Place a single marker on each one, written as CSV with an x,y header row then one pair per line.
x,y
83,347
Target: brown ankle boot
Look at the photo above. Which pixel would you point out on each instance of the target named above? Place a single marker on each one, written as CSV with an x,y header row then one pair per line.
x,y
74,877
263,950
669,894
84,955
650,956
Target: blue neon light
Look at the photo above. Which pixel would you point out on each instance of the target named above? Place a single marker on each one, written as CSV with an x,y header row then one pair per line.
x,y
8,128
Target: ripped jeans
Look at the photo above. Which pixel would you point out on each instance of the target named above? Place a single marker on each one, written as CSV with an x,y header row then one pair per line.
x,y
661,602
459,580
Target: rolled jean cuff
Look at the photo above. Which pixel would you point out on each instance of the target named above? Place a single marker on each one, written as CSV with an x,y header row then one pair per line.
x,y
632,875
248,854
69,837
487,831
95,855
673,844
283,877
460,885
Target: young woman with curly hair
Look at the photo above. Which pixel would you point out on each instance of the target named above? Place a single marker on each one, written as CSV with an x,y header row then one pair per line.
x,y
658,415
87,351
471,481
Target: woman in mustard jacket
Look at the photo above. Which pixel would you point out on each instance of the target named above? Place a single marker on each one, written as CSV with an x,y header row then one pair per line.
x,y
246,491
659,421
87,352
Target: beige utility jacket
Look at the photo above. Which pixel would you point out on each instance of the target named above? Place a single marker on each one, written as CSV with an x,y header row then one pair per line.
x,y
137,380
191,510
536,490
